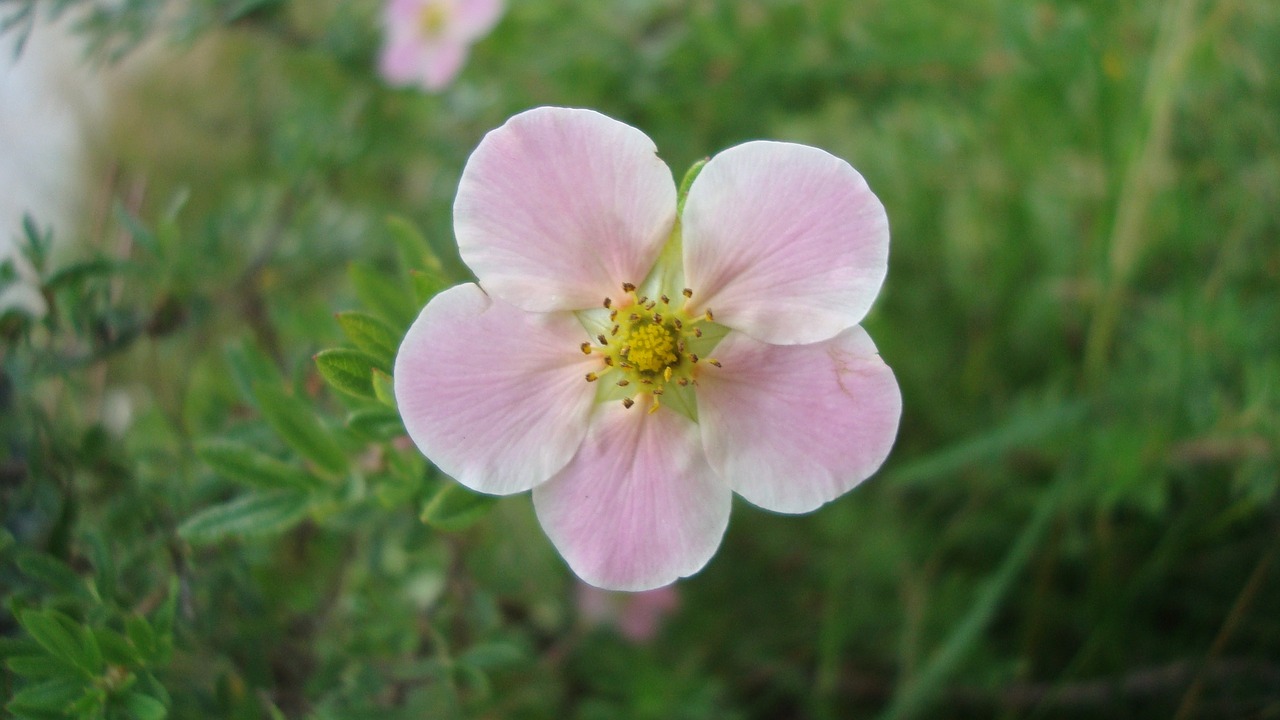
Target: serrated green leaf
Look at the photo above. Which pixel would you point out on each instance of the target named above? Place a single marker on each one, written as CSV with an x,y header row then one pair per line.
x,y
63,638
144,707
382,294
52,572
348,370
253,514
297,425
376,423
384,388
50,696
243,463
453,507
371,335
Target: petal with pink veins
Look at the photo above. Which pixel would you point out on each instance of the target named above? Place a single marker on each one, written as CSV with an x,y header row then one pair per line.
x,y
558,207
791,427
495,396
638,507
784,242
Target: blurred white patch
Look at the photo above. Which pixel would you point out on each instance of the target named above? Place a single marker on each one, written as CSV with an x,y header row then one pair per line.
x,y
51,102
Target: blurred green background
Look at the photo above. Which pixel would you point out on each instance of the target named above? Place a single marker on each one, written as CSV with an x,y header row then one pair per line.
x,y
1080,517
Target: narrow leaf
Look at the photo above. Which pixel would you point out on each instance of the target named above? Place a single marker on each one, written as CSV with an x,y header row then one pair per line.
x,y
382,294
240,462
63,638
371,335
254,514
383,388
144,707
454,507
50,696
348,370
376,423
298,426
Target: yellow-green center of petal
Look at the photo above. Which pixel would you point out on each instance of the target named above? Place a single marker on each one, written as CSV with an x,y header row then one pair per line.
x,y
649,345
433,19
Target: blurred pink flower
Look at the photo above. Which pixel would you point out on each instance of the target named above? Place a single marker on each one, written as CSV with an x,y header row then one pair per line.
x,y
637,616
427,40
569,220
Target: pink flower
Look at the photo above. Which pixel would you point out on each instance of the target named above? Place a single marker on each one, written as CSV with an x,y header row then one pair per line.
x,y
637,616
635,368
427,40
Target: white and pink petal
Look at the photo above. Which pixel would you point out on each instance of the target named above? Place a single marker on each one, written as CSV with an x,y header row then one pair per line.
x,y
784,242
495,396
638,507
791,427
558,207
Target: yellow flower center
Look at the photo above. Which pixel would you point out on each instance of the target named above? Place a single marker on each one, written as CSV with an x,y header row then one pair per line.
x,y
433,18
652,347
649,345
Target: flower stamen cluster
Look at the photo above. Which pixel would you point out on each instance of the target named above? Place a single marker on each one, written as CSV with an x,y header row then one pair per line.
x,y
649,344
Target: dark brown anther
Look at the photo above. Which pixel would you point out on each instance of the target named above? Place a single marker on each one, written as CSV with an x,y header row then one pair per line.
x,y
623,383
697,332
625,351
650,305
657,318
586,348
628,287
688,293
679,325
608,360
680,346
645,381
615,329
592,377
665,300
613,315
657,391
693,358
684,382
627,403
603,340
633,317
608,303
710,317
644,299
715,362
625,365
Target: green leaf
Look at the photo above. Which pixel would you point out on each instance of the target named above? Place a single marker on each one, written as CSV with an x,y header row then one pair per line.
x,y
492,655
297,425
79,272
243,463
40,665
382,294
415,251
144,707
454,507
690,175
376,423
50,696
350,371
140,233
384,388
63,638
371,335
250,367
426,285
253,514
116,649
141,635
52,572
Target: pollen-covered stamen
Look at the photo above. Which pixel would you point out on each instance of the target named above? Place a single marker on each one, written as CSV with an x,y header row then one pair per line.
x,y
649,348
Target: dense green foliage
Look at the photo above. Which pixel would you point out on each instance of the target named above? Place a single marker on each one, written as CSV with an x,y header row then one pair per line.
x,y
1080,518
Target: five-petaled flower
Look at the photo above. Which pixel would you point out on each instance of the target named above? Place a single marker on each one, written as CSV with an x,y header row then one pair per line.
x,y
426,41
634,362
